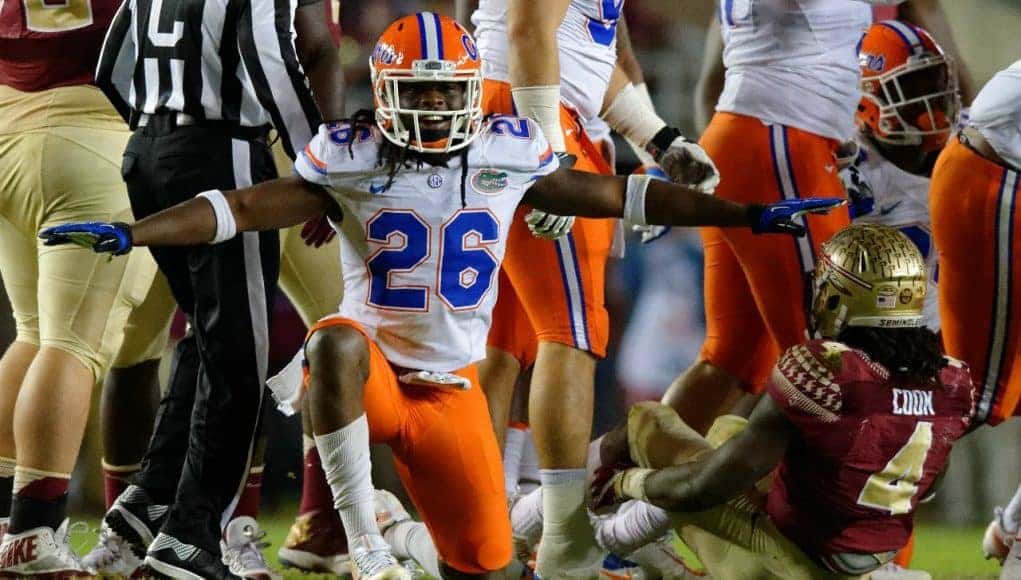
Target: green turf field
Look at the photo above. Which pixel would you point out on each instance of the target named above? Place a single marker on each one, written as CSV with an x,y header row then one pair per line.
x,y
948,553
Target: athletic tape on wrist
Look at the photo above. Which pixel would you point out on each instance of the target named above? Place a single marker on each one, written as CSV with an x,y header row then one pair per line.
x,y
226,226
542,104
630,116
634,199
633,483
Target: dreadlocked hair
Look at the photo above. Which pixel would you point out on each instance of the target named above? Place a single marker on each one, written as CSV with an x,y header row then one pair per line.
x,y
912,355
390,156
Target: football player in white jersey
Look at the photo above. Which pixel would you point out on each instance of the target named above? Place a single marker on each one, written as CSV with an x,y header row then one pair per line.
x,y
427,193
553,61
909,106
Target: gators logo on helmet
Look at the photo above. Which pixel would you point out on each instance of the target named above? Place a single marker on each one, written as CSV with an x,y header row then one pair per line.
x,y
909,87
426,47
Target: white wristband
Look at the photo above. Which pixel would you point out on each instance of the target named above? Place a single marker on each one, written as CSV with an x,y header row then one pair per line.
x,y
632,117
226,226
542,104
634,199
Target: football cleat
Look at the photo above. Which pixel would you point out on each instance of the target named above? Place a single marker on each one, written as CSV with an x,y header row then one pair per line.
x,y
135,518
389,510
41,553
997,542
173,558
372,559
242,550
892,571
617,568
660,560
316,542
112,556
1012,563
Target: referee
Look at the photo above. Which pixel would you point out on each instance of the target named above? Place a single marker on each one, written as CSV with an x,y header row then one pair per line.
x,y
200,83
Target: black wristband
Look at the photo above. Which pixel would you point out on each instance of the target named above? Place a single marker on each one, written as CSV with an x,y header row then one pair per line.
x,y
126,228
754,214
662,141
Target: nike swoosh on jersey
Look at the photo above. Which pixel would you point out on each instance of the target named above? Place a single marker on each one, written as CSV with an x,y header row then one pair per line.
x,y
889,208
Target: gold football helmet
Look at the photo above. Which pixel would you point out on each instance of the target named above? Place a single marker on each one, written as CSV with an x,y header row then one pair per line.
x,y
868,275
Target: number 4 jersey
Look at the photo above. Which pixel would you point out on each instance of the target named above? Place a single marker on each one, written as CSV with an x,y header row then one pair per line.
x,y
867,448
421,251
51,44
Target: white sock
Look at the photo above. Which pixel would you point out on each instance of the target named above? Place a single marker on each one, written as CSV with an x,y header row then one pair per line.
x,y
1012,514
526,516
528,478
593,461
512,449
345,457
632,526
563,495
412,540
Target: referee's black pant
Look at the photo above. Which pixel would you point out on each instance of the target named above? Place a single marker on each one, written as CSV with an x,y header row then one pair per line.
x,y
201,449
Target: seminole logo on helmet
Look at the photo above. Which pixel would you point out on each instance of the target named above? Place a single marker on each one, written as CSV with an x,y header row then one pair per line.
x,y
868,275
909,87
426,48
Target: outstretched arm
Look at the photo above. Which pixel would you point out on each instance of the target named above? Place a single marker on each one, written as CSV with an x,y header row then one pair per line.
x,y
716,477
641,200
269,205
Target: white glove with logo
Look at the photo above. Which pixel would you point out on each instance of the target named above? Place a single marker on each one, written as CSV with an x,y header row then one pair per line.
x,y
548,226
688,164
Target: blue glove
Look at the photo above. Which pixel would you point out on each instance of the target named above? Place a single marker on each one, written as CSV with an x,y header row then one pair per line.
x,y
778,218
114,238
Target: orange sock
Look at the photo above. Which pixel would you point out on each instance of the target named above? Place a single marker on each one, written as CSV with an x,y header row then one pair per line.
x,y
903,558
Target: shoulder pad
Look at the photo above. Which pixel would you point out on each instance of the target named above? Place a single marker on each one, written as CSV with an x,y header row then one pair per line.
x,y
515,144
337,149
806,377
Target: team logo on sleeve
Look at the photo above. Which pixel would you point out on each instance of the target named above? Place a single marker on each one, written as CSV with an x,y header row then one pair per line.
x,y
489,181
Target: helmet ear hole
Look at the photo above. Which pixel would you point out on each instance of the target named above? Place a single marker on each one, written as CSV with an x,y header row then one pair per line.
x,y
833,302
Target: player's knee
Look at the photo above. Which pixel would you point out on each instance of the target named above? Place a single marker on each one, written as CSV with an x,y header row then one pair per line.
x,y
475,558
89,357
338,357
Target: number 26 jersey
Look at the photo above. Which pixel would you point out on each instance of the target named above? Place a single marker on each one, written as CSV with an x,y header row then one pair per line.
x,y
421,253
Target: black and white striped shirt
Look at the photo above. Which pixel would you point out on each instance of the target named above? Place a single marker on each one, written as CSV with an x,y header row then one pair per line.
x,y
229,60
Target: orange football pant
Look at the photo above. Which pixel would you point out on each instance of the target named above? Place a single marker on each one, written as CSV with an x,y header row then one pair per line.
x,y
559,284
973,204
446,456
756,285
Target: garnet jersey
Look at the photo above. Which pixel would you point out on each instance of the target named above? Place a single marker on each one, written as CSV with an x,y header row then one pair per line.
x,y
51,44
587,40
420,261
794,63
883,193
996,113
866,451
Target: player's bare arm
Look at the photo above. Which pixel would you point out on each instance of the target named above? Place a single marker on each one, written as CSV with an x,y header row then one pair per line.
x,y
269,205
716,477
320,59
642,200
710,79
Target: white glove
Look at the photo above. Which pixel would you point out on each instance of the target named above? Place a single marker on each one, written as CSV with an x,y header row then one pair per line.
x,y
548,226
688,164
